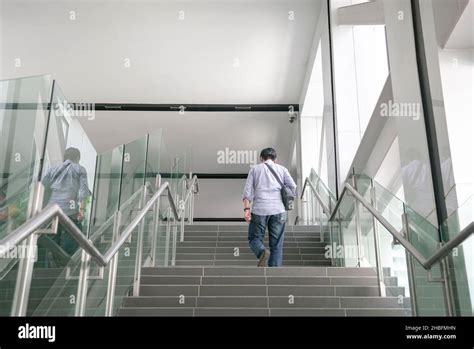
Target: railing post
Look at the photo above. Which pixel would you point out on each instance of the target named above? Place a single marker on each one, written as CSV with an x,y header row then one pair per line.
x,y
358,225
319,211
156,222
139,252
81,298
448,294
410,268
112,281
26,266
378,259
341,237
307,218
182,211
175,237
167,239
191,209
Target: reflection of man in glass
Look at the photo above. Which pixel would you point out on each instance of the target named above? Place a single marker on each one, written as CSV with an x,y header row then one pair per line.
x,y
448,180
3,211
416,180
68,184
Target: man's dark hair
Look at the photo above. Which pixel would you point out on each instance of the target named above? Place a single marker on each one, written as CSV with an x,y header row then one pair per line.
x,y
268,153
72,154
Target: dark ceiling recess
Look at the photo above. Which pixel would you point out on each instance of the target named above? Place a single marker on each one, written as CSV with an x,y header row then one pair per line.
x,y
191,107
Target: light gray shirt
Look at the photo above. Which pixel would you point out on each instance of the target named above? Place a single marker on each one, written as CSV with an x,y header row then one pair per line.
x,y
68,184
263,190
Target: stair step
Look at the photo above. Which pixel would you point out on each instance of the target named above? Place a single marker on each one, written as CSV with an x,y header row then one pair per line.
x,y
244,243
374,302
246,249
307,312
156,312
378,312
231,312
249,263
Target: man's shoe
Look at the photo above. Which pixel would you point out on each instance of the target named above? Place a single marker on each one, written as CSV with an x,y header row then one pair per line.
x,y
262,261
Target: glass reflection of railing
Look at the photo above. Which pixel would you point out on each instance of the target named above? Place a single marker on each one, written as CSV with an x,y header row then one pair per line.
x,y
382,232
120,190
323,190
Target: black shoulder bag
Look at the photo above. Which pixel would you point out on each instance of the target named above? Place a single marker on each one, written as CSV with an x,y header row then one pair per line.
x,y
286,193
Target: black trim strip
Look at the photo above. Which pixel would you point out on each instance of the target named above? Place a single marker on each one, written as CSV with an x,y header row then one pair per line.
x,y
333,95
168,175
221,175
161,107
46,133
190,107
206,219
429,117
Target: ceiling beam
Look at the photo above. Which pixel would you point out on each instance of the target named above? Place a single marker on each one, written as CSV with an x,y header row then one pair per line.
x,y
367,13
189,107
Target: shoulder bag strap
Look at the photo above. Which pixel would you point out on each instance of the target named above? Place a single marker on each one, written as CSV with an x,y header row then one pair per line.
x,y
275,175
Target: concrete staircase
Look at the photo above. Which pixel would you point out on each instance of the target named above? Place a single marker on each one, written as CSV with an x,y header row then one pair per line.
x,y
227,245
216,275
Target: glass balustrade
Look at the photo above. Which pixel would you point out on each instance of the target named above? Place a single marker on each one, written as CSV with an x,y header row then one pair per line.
x,y
23,122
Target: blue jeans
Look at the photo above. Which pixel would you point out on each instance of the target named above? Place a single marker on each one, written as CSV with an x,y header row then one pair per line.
x,y
276,235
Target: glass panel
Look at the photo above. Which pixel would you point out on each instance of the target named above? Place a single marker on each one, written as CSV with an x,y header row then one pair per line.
x,y
69,170
430,297
176,172
23,122
324,192
394,259
55,280
389,206
107,187
125,271
423,235
103,239
347,252
97,286
153,155
105,206
380,122
8,274
316,116
160,247
461,260
133,167
448,42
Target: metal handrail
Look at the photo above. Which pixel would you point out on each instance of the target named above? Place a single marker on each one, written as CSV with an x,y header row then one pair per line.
x,y
194,182
426,263
307,182
53,211
450,245
189,195
330,194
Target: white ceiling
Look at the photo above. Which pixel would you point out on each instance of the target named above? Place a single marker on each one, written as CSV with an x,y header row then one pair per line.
x,y
454,23
462,36
201,135
171,60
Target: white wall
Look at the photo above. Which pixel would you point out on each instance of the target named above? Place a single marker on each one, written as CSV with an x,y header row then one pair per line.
x,y
457,75
219,198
